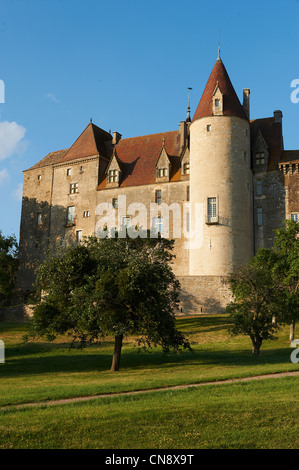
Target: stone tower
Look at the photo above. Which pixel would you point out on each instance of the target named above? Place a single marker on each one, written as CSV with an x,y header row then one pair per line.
x,y
220,179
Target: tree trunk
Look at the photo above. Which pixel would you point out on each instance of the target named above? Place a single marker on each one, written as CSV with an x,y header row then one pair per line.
x,y
256,347
292,331
117,352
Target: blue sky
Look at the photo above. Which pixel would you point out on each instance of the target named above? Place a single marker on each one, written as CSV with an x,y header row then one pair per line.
x,y
127,65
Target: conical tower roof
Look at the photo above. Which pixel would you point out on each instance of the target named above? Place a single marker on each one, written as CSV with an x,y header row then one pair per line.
x,y
231,103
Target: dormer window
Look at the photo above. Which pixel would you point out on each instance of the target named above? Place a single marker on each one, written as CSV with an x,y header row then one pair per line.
x,y
112,176
260,158
217,103
186,168
162,172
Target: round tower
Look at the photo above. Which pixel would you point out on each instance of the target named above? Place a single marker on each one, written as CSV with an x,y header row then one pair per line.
x,y
220,180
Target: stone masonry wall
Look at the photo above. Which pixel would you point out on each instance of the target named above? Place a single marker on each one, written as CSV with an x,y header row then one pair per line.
x,y
203,294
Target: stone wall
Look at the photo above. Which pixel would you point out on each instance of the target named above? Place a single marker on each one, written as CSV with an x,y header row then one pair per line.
x,y
18,313
204,294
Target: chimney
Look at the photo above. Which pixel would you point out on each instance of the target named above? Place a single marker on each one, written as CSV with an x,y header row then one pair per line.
x,y
116,137
183,133
246,102
277,116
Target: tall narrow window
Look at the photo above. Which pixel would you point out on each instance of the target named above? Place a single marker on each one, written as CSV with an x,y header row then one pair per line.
x,y
217,103
39,177
158,224
114,203
70,218
295,217
158,196
188,193
126,222
85,214
212,209
39,218
78,236
68,172
259,216
259,188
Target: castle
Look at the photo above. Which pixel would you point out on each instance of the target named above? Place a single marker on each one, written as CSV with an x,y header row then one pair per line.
x,y
231,175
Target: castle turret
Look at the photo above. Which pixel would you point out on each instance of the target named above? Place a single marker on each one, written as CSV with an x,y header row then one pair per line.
x,y
220,179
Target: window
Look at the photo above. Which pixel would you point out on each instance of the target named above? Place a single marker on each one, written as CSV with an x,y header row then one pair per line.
x,y
81,169
217,103
39,177
295,217
186,168
208,127
78,236
114,203
158,196
113,176
259,216
259,187
162,172
126,222
85,214
158,224
74,188
212,209
68,172
260,158
188,193
39,218
70,218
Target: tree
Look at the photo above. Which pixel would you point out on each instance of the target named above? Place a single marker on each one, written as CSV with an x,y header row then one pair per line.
x,y
112,286
253,308
285,269
266,290
8,265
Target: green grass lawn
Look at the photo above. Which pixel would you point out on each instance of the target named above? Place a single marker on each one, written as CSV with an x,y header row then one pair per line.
x,y
252,415
247,415
42,371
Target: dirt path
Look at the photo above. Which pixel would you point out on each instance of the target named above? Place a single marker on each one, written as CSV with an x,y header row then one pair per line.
x,y
138,392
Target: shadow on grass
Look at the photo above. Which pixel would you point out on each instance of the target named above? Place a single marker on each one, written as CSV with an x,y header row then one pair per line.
x,y
53,360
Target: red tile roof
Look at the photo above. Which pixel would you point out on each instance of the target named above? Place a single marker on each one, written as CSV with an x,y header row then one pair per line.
x,y
50,159
138,157
90,142
231,103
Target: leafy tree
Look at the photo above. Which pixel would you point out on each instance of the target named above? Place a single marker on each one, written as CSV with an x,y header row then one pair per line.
x,y
252,310
111,286
8,265
285,269
266,290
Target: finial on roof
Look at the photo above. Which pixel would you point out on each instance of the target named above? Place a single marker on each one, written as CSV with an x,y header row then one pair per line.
x,y
219,58
188,118
90,120
163,141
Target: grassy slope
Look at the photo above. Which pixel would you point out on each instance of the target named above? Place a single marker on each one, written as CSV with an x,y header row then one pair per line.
x,y
41,371
261,414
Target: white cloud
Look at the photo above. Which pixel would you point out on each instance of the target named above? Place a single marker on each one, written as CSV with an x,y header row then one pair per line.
x,y
4,176
11,135
18,193
52,97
